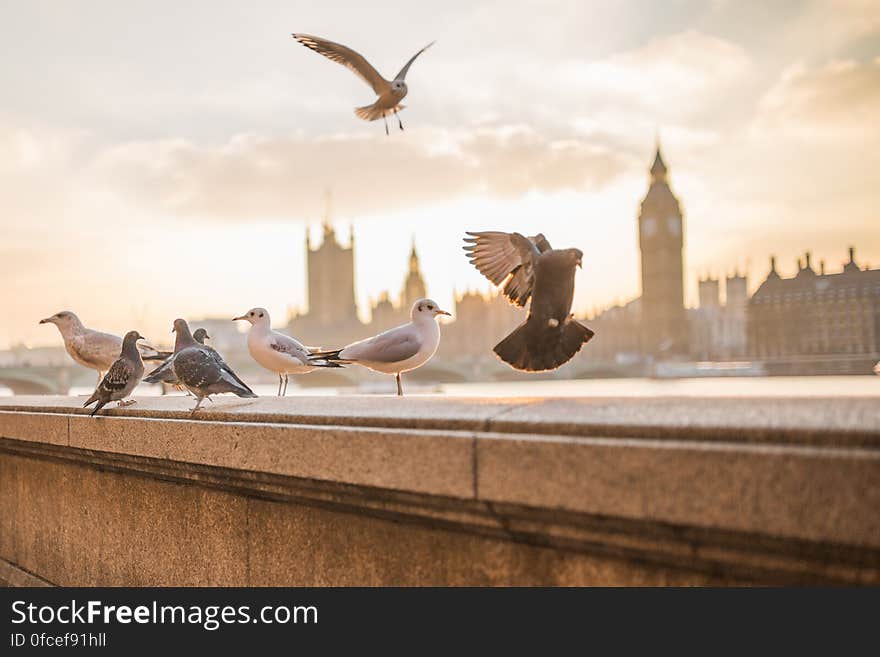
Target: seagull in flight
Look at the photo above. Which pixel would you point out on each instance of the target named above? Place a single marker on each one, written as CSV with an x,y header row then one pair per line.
x,y
390,92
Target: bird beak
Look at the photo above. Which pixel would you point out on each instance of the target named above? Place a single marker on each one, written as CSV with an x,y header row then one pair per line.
x,y
235,319
580,263
45,321
443,312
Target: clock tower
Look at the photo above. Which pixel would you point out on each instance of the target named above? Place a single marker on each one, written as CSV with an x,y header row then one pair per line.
x,y
661,243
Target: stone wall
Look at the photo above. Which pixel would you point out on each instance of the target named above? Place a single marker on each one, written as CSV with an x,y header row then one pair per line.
x,y
440,491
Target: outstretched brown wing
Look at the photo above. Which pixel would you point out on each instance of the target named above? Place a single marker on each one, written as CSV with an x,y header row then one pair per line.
x,y
344,55
507,259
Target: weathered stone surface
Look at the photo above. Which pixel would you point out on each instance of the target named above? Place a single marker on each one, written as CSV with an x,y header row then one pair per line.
x,y
850,421
799,492
76,526
420,461
821,421
12,575
36,427
294,545
380,490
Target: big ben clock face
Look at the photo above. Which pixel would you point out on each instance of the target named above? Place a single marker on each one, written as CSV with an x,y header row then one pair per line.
x,y
674,225
649,226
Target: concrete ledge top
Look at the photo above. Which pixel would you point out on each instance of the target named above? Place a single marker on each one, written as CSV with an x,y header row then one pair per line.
x,y
830,422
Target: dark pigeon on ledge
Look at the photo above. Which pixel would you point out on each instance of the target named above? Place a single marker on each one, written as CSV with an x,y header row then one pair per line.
x,y
122,377
201,370
165,373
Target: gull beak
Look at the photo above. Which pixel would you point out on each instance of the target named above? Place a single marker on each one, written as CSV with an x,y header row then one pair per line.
x,y
45,321
443,312
235,319
580,263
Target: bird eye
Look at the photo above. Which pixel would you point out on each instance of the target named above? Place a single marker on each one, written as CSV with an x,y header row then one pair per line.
x,y
261,314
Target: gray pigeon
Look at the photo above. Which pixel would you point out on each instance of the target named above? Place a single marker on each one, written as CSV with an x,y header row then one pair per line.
x,y
201,370
164,373
122,377
531,268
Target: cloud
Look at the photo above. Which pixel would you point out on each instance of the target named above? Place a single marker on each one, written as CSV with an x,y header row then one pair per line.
x,y
841,98
830,24
670,76
254,176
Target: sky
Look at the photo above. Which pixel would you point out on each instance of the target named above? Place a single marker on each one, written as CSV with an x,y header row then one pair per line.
x,y
163,159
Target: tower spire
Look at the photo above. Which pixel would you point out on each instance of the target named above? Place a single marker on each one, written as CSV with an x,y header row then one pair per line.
x,y
413,256
328,204
658,168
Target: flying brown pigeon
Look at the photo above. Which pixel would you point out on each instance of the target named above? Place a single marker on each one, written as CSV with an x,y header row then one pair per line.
x,y
529,268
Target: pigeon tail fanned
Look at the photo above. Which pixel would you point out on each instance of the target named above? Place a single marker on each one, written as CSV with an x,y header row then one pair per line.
x,y
539,344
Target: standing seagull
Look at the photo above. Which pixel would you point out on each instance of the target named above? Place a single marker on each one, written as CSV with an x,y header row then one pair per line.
x,y
390,92
122,377
530,267
93,349
396,350
275,351
201,370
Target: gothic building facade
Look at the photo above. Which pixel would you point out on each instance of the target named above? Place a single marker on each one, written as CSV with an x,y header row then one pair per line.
x,y
331,295
384,312
718,330
332,308
817,314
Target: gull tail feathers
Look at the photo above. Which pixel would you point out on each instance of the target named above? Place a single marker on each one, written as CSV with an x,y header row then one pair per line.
x,y
373,113
327,359
537,345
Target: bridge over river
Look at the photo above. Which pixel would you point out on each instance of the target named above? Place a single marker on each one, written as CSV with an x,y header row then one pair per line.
x,y
49,380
